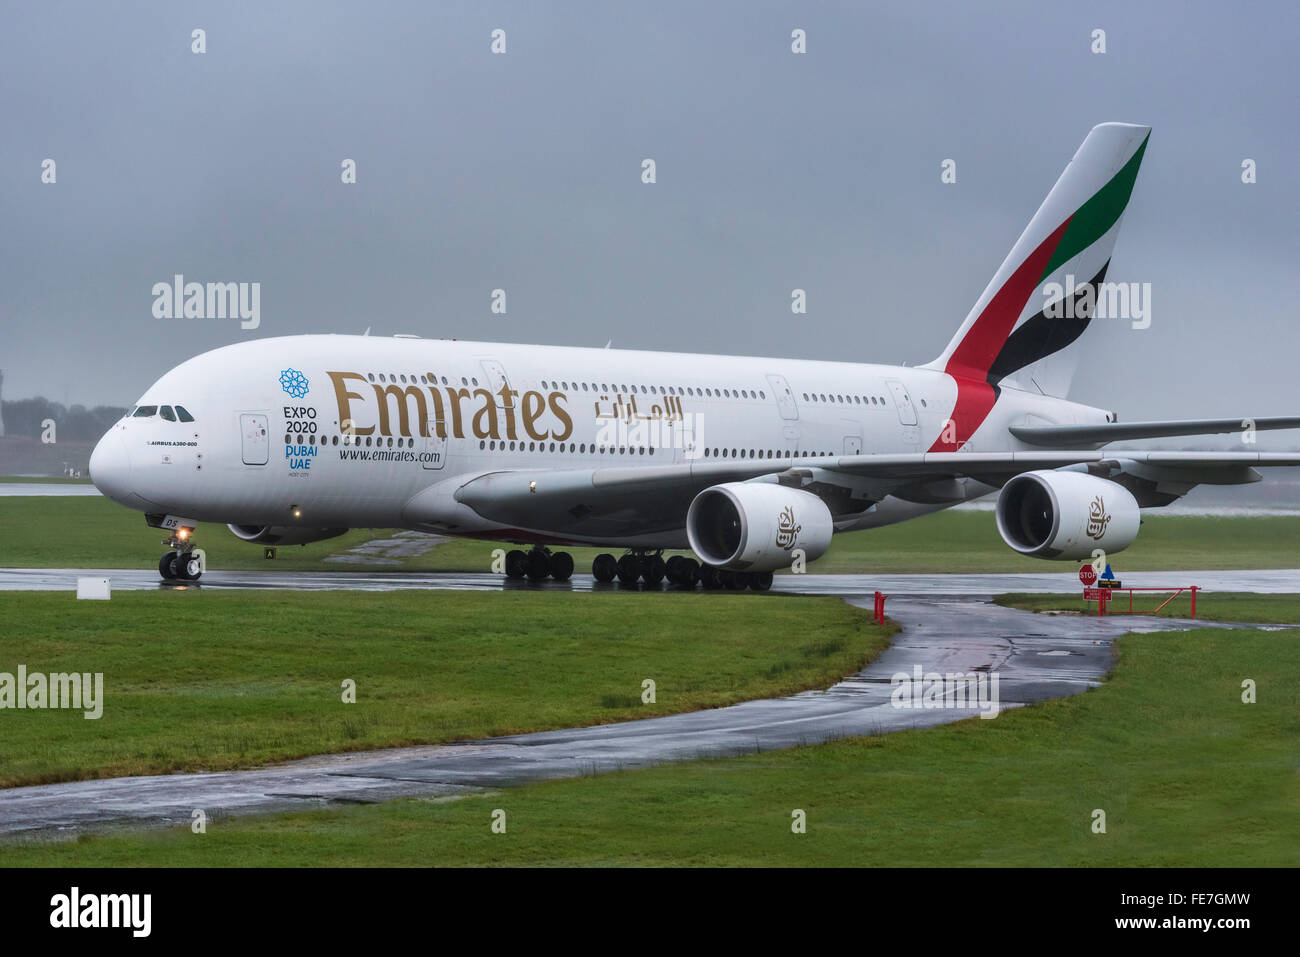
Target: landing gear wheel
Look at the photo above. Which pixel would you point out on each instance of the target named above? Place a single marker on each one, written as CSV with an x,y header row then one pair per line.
x,y
516,564
709,577
653,570
629,569
166,568
604,568
187,567
561,565
538,565
688,572
760,581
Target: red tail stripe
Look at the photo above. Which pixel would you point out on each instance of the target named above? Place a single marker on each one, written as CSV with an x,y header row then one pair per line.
x,y
970,362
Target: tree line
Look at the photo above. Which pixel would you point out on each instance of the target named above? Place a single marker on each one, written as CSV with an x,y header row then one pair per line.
x,y
74,423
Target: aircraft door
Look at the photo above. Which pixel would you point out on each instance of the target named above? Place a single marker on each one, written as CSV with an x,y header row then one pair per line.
x,y
433,446
497,379
256,437
903,402
784,396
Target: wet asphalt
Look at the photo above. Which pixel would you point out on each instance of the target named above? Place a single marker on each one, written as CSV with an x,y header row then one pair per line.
x,y
136,579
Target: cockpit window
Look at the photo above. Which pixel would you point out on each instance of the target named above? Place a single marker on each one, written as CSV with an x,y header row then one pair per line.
x,y
183,415
145,411
167,413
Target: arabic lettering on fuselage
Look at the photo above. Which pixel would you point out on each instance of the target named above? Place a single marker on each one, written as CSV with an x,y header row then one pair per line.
x,y
627,411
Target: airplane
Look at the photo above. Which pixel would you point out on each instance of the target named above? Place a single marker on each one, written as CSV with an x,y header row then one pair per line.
x,y
753,464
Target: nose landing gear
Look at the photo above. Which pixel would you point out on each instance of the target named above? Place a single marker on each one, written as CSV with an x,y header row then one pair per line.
x,y
182,562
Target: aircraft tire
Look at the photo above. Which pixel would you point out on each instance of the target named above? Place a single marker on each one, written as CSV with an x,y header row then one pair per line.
x,y
516,564
604,567
629,569
538,565
561,565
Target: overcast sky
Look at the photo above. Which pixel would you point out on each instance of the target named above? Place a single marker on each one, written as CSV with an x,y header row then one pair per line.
x,y
523,171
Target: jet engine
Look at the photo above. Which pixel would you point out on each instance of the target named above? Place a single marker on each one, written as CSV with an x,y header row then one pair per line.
x,y
756,526
283,534
1066,515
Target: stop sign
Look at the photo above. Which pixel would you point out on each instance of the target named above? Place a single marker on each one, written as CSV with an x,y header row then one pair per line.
x,y
1087,575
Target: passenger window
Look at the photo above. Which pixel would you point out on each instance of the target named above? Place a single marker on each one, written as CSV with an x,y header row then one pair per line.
x,y
146,411
183,414
167,413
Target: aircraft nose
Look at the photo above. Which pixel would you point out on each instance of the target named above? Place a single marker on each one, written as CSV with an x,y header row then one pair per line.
x,y
110,467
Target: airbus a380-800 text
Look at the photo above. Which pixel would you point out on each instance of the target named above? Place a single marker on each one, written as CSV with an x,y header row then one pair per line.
x,y
751,463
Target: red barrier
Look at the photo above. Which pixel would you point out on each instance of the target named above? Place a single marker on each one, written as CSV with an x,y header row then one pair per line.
x,y
1103,596
879,612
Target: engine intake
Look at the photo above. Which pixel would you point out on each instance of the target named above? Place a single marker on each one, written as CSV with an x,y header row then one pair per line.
x,y
756,526
283,534
1066,515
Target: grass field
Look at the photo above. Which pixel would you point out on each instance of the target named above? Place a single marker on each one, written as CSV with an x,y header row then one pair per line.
x,y
214,680
1187,774
97,533
94,532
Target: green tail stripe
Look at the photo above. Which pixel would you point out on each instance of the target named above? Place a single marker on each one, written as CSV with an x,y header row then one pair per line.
x,y
1095,217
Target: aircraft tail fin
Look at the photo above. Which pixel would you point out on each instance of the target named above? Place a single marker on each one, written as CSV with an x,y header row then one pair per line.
x,y
1021,327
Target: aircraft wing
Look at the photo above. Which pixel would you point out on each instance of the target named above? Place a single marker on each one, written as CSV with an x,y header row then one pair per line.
x,y
1068,436
648,499
619,500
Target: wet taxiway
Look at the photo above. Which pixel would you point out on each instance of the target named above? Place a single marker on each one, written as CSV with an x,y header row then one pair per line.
x,y
134,579
8,489
1035,657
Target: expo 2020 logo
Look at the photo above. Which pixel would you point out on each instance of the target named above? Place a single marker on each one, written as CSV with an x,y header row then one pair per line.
x,y
294,383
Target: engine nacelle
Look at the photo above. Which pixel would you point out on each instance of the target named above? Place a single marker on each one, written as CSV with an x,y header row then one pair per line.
x,y
283,534
1050,514
756,526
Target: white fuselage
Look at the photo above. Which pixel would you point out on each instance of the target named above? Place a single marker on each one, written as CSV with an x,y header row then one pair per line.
x,y
270,442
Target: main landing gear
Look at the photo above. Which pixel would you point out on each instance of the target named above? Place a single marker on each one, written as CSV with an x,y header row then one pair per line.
x,y
538,564
652,569
637,566
182,562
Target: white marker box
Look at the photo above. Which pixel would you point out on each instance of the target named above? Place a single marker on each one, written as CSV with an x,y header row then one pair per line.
x,y
95,589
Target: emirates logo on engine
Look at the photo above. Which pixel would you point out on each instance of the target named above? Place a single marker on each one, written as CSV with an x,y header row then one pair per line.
x,y
786,530
1098,519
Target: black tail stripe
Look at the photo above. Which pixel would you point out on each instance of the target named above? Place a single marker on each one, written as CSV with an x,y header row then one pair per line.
x,y
1039,337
